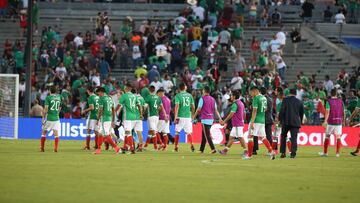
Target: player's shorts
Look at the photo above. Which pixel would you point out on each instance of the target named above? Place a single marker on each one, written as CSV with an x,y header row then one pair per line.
x,y
153,122
184,123
259,130
133,125
237,132
163,127
106,128
92,125
52,125
334,129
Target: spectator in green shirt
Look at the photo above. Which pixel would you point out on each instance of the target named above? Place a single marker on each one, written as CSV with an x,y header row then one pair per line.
x,y
192,62
19,61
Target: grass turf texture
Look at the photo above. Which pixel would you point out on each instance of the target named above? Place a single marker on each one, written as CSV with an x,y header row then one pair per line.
x,y
74,175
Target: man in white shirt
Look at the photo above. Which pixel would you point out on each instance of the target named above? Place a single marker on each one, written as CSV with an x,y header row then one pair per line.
x,y
199,12
275,45
196,78
236,82
78,40
156,83
328,84
339,18
95,79
280,65
167,84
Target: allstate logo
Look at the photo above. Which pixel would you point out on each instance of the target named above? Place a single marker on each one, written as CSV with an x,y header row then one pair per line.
x,y
217,133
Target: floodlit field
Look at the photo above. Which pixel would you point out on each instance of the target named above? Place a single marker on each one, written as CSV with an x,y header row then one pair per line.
x,y
73,175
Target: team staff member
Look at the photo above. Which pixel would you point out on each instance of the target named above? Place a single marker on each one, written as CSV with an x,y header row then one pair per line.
x,y
291,115
206,108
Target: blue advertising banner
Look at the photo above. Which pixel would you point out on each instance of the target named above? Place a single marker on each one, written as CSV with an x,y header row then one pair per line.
x,y
70,129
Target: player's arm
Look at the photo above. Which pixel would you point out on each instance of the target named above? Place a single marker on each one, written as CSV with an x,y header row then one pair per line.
x,y
217,113
198,110
91,107
176,111
327,113
44,112
100,112
253,116
192,109
113,116
118,108
140,110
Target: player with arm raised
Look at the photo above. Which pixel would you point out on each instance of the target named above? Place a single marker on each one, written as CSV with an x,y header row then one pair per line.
x,y
106,118
257,122
93,103
354,114
154,106
129,104
50,118
184,111
334,119
164,125
236,115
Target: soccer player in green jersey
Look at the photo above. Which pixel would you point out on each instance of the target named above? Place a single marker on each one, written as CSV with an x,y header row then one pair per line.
x,y
93,103
154,106
184,111
139,116
353,115
129,104
50,118
106,116
257,122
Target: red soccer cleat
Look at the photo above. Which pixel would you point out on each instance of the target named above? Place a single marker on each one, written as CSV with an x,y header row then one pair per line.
x,y
98,151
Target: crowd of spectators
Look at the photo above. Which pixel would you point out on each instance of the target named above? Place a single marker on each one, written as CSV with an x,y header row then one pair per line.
x,y
199,48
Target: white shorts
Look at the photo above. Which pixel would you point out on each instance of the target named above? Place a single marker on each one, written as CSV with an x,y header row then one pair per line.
x,y
259,130
237,132
184,123
92,125
163,127
334,129
153,122
52,125
106,128
133,125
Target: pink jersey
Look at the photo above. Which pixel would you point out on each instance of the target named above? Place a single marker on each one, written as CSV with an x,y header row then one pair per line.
x,y
167,106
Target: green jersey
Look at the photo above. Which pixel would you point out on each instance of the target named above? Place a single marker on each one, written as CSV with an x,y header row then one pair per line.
x,y
93,100
308,108
141,102
154,103
185,101
53,103
129,101
260,104
107,105
352,103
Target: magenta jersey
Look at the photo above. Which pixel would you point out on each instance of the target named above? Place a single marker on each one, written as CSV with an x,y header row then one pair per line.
x,y
238,109
167,106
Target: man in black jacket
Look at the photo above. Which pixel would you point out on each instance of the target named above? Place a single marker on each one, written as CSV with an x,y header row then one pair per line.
x,y
269,120
291,116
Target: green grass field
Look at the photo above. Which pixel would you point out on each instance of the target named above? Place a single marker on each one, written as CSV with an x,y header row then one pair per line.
x,y
73,175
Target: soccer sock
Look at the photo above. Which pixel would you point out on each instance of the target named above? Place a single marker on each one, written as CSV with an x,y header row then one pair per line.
x,y
250,148
110,141
288,143
338,145
125,141
274,145
100,141
87,141
56,143
158,136
189,138
155,142
326,145
176,140
358,147
267,145
42,142
148,139
131,142
166,138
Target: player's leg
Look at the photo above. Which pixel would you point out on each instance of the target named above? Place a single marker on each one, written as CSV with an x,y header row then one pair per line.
x,y
232,135
289,143
275,140
56,128
108,138
100,139
209,139
262,135
328,132
284,132
178,127
139,129
42,140
338,133
203,139
87,139
188,128
356,152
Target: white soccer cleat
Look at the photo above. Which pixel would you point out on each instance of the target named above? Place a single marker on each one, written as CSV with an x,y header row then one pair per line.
x,y
247,158
337,155
322,154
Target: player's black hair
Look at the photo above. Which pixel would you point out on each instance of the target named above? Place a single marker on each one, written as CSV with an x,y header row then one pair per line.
x,y
160,90
263,90
152,88
182,86
133,90
293,91
53,89
280,90
100,89
333,92
236,94
90,88
207,89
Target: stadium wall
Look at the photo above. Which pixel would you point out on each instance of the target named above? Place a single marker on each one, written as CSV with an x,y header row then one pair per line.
x,y
75,129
